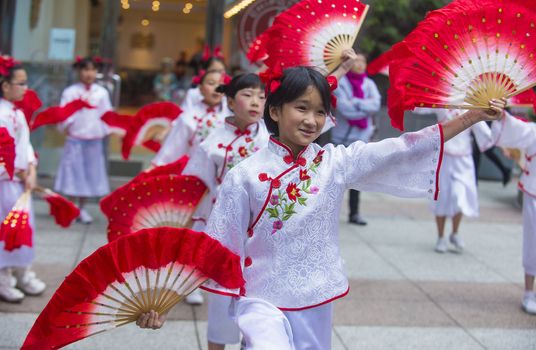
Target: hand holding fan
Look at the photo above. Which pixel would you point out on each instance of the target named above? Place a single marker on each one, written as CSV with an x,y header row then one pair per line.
x,y
464,55
167,200
314,33
153,269
7,152
15,230
56,114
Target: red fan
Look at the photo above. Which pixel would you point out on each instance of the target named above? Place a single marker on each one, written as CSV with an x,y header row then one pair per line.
x,y
314,33
167,200
15,230
153,269
174,168
464,55
136,129
29,104
524,99
53,115
380,65
63,210
257,50
7,152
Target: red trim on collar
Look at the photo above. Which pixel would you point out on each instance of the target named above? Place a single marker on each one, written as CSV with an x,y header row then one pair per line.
x,y
289,158
436,194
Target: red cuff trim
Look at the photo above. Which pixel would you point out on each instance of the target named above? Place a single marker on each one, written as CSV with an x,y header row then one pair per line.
x,y
215,291
436,194
316,305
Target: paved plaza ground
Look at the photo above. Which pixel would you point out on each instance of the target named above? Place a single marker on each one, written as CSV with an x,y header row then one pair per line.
x,y
403,295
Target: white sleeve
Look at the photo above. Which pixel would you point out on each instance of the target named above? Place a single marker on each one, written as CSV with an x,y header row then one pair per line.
x,y
406,166
175,145
229,219
512,132
483,137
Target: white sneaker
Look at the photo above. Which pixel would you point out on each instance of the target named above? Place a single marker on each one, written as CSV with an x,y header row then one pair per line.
x,y
29,283
529,304
457,241
195,298
441,245
10,294
84,217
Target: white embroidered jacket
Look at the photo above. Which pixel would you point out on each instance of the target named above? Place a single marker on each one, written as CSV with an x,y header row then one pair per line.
x,y
512,132
280,214
461,145
189,130
86,124
14,121
219,153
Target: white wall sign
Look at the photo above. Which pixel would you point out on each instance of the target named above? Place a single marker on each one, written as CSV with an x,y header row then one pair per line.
x,y
62,43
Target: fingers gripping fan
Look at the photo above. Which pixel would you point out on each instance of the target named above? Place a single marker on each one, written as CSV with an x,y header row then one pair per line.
x,y
156,202
464,55
7,152
314,33
153,269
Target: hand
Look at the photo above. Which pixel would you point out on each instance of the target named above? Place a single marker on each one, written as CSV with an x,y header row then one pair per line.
x,y
31,181
348,58
151,320
496,109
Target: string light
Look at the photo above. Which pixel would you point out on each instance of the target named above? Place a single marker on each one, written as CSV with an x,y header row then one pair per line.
x,y
237,8
145,22
156,5
187,7
125,5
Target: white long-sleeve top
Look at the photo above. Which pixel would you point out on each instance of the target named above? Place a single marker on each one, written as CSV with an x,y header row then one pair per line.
x,y
225,148
14,121
512,132
461,145
190,129
280,213
86,124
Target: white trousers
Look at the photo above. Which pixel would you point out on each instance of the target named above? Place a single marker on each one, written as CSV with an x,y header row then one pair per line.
x,y
529,234
221,327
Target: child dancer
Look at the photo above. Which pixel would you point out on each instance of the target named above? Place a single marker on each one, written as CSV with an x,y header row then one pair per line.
x,y
279,210
82,170
458,195
243,134
194,125
193,95
515,133
16,278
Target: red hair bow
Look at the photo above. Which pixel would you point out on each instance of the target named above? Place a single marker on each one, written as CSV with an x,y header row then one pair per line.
x,y
226,78
207,54
333,84
272,79
6,63
198,78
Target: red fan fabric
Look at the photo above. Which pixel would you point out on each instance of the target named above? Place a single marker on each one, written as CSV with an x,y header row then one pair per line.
x,y
174,168
29,104
525,99
380,65
15,230
7,152
135,127
152,145
53,115
457,50
299,36
63,210
158,201
118,123
147,249
257,51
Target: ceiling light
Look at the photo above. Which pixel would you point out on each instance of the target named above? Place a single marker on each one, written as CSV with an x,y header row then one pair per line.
x,y
145,22
237,8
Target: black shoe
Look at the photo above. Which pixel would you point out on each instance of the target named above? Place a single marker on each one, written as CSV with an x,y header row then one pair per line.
x,y
506,178
357,220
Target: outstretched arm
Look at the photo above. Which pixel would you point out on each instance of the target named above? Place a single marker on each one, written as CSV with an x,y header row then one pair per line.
x,y
455,126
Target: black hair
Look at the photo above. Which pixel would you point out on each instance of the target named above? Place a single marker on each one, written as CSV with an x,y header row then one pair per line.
x,y
207,63
7,78
240,82
294,83
207,73
86,61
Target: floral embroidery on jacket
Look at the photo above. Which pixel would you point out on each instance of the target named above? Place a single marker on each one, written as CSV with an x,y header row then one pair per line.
x,y
204,126
243,152
283,202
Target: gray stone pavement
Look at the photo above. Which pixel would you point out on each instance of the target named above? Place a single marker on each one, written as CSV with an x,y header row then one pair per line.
x,y
402,296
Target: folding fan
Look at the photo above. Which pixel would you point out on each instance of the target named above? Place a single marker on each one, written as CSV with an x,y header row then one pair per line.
x,y
464,55
15,230
136,129
7,152
63,210
167,200
257,50
314,33
56,114
153,269
380,65
175,168
29,104
524,99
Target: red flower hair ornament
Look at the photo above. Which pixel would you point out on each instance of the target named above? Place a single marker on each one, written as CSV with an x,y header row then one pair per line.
x,y
6,63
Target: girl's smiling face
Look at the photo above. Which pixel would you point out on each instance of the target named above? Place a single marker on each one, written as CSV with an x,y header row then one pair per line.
x,y
247,105
208,88
300,122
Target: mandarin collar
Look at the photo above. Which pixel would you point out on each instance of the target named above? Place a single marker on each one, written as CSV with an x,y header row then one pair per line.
x,y
251,129
283,151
